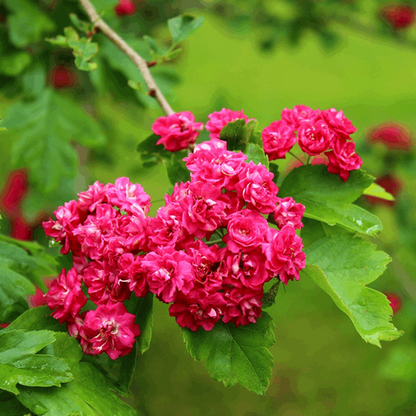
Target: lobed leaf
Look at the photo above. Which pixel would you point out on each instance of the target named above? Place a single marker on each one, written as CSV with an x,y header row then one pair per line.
x,y
256,154
327,198
20,363
342,266
235,355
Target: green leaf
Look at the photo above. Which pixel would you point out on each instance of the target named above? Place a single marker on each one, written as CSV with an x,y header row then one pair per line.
x,y
20,363
275,170
143,309
152,153
13,64
47,126
183,26
135,85
32,267
80,24
177,170
342,266
236,355
27,23
234,134
36,319
156,50
379,192
33,80
13,407
256,154
89,393
173,54
327,198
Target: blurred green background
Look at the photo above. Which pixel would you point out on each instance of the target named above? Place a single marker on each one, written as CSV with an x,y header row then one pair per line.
x,y
322,367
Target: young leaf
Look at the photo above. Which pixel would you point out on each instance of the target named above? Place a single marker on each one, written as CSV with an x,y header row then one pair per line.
x,y
327,198
236,355
379,192
20,363
256,154
183,26
80,24
177,171
47,126
342,266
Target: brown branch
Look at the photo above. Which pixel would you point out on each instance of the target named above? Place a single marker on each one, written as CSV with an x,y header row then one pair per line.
x,y
141,63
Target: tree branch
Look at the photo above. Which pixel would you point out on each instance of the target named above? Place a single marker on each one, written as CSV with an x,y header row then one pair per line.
x,y
141,63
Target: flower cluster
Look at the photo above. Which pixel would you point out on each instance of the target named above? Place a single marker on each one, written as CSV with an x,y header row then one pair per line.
x,y
104,230
211,248
317,132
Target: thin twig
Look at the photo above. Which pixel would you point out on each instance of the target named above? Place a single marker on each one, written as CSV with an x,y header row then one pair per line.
x,y
141,63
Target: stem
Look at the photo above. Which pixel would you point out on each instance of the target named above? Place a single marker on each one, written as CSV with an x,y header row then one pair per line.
x,y
300,160
141,63
214,242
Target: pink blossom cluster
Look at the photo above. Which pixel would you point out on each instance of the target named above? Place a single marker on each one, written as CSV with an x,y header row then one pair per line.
x,y
179,131
104,230
211,249
317,132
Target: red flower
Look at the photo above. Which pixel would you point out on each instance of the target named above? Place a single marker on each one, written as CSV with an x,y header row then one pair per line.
x,y
62,77
399,16
13,192
395,302
391,184
392,135
125,8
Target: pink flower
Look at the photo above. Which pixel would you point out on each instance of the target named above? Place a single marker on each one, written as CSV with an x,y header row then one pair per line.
x,y
399,16
246,231
338,122
288,212
392,135
137,276
246,269
96,194
110,329
106,283
218,166
284,254
219,119
299,114
125,8
257,188
177,130
243,306
67,219
343,159
65,295
278,139
198,308
128,197
314,137
168,273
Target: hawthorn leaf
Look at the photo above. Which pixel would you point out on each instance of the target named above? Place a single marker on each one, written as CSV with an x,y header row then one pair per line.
x,y
177,170
183,26
274,168
90,393
379,192
47,126
256,154
14,289
236,355
33,79
21,364
80,24
234,133
173,54
152,153
13,407
342,266
143,309
327,198
27,23
36,319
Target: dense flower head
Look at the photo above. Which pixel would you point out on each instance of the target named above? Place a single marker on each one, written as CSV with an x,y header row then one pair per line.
x,y
208,251
220,119
318,133
177,131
